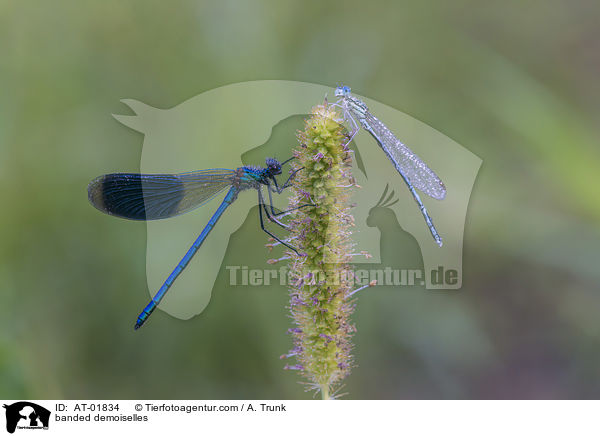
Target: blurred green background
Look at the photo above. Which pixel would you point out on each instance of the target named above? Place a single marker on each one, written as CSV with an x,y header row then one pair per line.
x,y
515,83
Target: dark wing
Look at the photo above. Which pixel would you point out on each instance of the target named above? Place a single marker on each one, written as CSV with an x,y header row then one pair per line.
x,y
156,196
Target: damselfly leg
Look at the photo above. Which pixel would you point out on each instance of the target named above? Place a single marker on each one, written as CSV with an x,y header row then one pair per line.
x,y
262,207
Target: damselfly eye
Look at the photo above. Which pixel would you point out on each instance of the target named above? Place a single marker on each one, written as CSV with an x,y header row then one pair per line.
x,y
342,91
274,166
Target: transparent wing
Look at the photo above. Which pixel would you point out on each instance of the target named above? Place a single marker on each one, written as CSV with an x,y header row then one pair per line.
x,y
418,173
156,196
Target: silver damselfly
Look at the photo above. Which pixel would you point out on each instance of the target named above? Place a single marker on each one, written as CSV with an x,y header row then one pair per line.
x,y
414,172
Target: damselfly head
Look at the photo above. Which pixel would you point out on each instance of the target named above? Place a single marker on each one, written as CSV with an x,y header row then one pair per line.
x,y
273,166
342,91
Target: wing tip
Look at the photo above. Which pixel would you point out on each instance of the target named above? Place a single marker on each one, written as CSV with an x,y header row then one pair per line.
x,y
104,194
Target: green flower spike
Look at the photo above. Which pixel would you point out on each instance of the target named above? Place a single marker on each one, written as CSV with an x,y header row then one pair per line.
x,y
321,280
